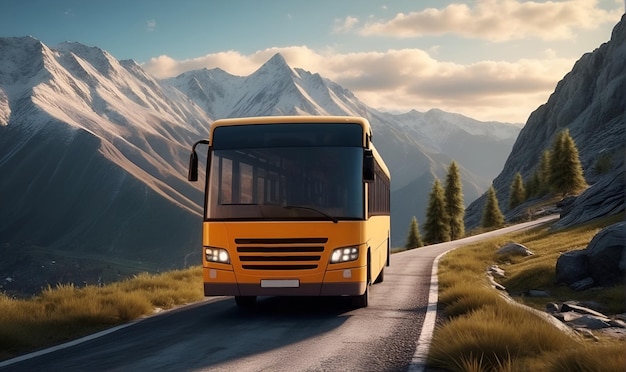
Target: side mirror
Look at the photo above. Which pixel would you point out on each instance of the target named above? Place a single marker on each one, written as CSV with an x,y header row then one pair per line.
x,y
368,166
192,175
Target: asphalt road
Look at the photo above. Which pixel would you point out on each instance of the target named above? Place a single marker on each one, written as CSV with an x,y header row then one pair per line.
x,y
281,334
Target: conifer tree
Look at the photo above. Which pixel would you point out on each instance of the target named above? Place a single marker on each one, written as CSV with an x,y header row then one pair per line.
x,y
414,240
543,174
454,202
532,185
437,226
566,176
492,216
518,192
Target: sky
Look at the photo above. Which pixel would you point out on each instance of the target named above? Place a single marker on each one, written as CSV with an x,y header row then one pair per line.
x,y
486,59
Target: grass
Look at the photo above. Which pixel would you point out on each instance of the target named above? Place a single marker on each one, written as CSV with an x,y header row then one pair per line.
x,y
485,332
66,312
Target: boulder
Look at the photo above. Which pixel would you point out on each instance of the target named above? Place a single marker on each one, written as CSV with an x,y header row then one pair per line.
x,y
603,263
538,293
582,284
572,267
606,253
514,249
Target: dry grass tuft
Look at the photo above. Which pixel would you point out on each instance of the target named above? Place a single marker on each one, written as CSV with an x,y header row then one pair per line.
x,y
67,312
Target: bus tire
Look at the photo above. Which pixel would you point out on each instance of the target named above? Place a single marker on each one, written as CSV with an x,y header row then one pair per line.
x,y
245,302
361,300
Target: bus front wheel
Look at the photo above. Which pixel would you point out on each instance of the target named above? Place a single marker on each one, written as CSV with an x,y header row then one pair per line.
x,y
361,300
245,302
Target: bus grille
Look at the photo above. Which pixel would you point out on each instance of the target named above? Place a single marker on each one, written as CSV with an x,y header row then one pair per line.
x,y
280,253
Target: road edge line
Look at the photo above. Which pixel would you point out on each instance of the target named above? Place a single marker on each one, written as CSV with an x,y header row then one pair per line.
x,y
418,362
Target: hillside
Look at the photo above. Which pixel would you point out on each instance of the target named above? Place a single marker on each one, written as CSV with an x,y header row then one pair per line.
x,y
590,101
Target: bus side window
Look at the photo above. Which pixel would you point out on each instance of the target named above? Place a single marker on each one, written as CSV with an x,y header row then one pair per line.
x,y
226,181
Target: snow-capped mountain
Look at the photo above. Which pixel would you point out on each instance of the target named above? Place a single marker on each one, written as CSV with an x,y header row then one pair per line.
x,y
274,89
93,156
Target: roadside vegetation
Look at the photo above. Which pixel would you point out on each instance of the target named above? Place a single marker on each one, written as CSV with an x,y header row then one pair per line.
x,y
483,331
67,312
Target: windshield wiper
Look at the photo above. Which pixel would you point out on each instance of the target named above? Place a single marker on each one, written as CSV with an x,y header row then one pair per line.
x,y
334,219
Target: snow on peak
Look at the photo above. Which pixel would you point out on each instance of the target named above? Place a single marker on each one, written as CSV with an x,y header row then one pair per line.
x,y
98,58
277,65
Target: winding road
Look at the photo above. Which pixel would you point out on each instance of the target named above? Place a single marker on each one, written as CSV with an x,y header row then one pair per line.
x,y
281,334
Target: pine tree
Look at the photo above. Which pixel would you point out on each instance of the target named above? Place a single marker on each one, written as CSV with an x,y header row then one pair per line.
x,y
566,176
518,192
492,216
543,174
454,202
414,240
532,185
437,226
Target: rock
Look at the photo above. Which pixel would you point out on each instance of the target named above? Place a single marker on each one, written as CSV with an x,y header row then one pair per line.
x,y
606,253
589,322
568,316
538,293
553,307
572,306
582,284
514,249
572,266
496,271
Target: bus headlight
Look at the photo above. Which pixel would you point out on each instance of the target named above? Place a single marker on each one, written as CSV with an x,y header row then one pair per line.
x,y
213,254
345,254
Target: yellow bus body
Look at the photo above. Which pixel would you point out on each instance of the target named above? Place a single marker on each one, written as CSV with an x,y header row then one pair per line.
x,y
293,258
349,278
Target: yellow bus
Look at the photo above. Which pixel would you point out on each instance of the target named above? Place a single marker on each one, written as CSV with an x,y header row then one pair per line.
x,y
294,206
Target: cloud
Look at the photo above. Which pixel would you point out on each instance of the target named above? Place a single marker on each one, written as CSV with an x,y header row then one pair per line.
x,y
498,20
344,25
151,25
401,80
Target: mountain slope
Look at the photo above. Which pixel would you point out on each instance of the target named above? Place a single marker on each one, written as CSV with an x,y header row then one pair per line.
x,y
92,166
590,101
93,156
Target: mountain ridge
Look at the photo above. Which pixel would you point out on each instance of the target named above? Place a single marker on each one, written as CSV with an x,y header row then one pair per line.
x,y
94,157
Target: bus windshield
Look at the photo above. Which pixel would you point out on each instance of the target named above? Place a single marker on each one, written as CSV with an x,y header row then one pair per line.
x,y
286,183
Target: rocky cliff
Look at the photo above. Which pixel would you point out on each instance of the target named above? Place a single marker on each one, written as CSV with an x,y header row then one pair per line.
x,y
590,101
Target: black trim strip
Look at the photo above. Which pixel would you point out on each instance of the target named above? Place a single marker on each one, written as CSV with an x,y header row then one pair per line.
x,y
279,258
281,240
279,249
279,267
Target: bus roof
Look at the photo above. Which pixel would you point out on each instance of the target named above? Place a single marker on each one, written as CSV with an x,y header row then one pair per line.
x,y
293,119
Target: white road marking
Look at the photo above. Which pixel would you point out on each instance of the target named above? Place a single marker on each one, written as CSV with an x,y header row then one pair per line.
x,y
418,362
